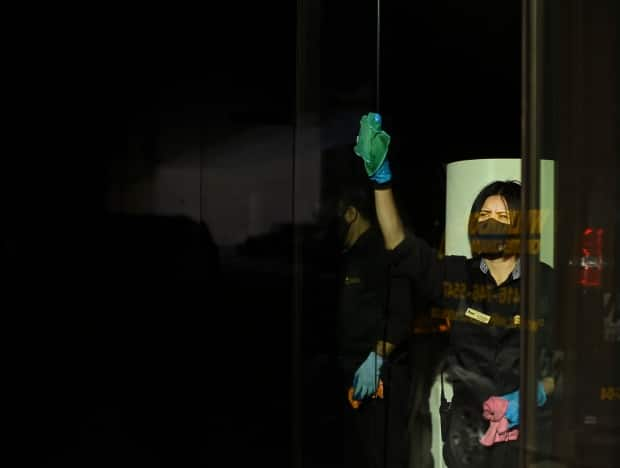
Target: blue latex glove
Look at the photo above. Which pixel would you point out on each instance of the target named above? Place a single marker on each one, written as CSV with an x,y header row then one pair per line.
x,y
512,412
383,174
366,377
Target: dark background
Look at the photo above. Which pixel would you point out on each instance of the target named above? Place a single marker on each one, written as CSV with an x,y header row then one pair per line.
x,y
131,344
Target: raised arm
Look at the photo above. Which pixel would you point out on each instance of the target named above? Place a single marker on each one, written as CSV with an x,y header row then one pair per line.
x,y
372,146
387,215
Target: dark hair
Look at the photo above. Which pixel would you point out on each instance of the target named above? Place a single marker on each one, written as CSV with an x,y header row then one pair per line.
x,y
510,190
360,196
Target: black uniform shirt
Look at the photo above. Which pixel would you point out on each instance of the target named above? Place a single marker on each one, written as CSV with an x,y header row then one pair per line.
x,y
484,316
363,279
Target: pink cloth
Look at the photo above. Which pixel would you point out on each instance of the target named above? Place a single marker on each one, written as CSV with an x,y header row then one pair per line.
x,y
494,410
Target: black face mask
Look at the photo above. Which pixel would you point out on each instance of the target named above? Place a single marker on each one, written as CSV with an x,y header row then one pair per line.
x,y
492,239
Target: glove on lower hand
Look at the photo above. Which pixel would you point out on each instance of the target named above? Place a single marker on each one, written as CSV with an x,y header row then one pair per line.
x,y
372,146
512,412
366,378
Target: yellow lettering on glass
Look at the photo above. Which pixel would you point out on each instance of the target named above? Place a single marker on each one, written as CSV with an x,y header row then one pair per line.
x,y
610,393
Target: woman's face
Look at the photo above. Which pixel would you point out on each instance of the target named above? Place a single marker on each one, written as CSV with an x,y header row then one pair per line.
x,y
494,207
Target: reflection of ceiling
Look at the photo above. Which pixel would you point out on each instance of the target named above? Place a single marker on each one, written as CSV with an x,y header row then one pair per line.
x,y
246,186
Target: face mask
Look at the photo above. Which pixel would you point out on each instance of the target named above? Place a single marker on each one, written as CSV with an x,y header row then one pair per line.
x,y
492,239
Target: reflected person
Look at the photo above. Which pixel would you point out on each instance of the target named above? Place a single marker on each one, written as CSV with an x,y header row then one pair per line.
x,y
374,388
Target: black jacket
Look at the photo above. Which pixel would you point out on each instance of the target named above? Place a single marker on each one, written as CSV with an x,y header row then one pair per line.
x,y
485,322
373,304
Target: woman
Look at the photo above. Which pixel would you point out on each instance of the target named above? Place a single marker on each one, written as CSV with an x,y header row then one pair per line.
x,y
480,296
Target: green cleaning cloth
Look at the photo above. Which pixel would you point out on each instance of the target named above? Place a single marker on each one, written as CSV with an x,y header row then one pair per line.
x,y
372,143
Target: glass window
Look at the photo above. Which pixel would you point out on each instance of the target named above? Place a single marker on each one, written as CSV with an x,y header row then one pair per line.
x,y
570,87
